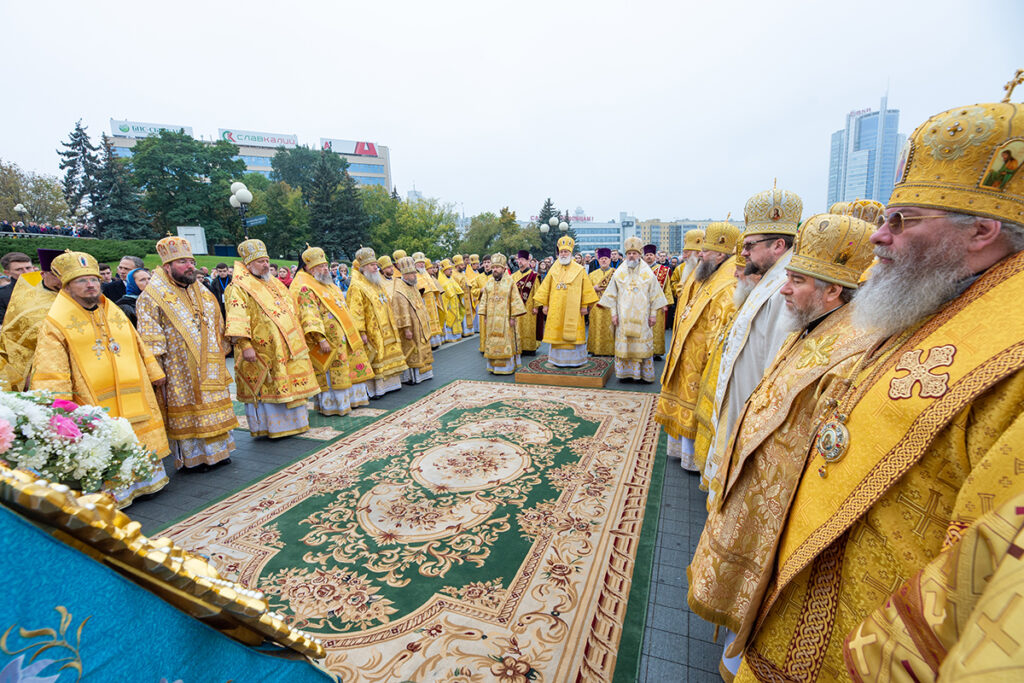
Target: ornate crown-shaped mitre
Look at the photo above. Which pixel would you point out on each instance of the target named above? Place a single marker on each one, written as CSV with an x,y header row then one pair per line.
x,y
633,244
172,248
693,239
366,255
313,256
966,160
457,260
775,212
405,265
721,236
384,261
498,260
397,254
833,248
445,264
74,264
250,250
419,256
474,259
566,242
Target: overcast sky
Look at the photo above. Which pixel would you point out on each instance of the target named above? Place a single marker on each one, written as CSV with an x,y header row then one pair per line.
x,y
665,110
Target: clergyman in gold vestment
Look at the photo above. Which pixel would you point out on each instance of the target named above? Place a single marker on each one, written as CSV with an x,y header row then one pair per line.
x,y
180,320
600,332
767,453
413,324
33,294
370,307
927,437
500,306
565,295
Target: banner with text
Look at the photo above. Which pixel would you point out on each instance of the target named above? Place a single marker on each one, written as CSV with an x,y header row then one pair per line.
x,y
363,149
139,129
251,138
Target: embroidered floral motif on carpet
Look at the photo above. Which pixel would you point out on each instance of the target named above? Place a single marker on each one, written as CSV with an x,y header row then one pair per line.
x,y
487,532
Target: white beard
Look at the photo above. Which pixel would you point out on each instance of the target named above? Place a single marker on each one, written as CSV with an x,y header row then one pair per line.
x,y
633,265
691,263
742,291
373,278
324,279
565,261
265,277
421,270
911,288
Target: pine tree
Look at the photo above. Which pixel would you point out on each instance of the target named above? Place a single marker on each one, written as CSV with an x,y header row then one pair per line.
x,y
116,204
549,240
321,198
78,161
353,224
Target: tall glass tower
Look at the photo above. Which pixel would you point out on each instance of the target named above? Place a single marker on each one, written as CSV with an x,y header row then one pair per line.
x,y
863,157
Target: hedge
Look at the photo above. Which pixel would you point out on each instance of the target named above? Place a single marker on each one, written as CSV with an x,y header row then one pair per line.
x,y
105,251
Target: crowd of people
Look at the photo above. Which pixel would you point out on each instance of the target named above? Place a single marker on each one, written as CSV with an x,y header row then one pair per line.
x,y
21,229
846,387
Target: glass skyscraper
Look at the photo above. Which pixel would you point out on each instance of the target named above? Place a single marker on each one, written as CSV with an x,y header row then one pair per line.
x,y
863,158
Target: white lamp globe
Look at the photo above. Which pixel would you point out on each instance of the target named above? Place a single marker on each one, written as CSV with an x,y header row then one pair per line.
x,y
544,228
553,221
563,226
244,196
236,186
234,202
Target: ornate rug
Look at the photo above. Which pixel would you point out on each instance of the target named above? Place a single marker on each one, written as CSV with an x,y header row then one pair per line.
x,y
594,373
488,532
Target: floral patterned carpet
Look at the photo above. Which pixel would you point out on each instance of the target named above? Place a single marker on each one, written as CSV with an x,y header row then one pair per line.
x,y
488,532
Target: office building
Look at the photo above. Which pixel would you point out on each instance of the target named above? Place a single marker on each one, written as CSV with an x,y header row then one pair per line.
x,y
863,158
368,162
668,235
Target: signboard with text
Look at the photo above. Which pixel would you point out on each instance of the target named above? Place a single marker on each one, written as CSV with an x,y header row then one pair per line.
x,y
363,149
251,138
140,129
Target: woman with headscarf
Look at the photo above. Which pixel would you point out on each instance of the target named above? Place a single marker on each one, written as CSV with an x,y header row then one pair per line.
x,y
134,283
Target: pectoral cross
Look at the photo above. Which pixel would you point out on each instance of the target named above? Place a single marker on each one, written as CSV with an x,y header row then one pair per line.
x,y
98,348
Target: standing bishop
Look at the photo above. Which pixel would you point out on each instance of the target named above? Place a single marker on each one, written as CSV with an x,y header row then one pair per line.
x,y
529,327
500,305
693,338
413,324
335,347
634,296
565,295
273,373
601,335
451,301
431,293
370,306
468,299
180,321
31,298
88,352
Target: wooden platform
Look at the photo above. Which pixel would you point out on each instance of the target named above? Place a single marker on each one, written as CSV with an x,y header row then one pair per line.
x,y
539,370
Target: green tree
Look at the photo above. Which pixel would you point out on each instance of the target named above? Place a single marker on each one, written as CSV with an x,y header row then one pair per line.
x,y
352,224
426,225
186,182
512,238
296,167
321,195
80,165
286,231
117,204
549,240
483,232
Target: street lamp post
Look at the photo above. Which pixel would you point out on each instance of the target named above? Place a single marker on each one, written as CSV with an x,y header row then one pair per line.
x,y
23,212
240,199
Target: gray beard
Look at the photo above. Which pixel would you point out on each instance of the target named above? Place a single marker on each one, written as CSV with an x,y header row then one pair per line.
x,y
913,287
691,263
796,320
265,277
633,265
742,291
324,279
706,269
564,261
421,270
373,278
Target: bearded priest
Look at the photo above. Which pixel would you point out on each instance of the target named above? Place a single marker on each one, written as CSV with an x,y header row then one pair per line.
x,y
731,567
180,321
634,296
529,327
273,373
370,307
88,352
565,296
500,307
31,298
413,324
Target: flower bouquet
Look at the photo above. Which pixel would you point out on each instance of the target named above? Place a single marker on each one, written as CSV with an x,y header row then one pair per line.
x,y
81,446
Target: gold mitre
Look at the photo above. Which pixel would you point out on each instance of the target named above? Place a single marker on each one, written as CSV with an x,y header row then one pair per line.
x,y
773,212
445,265
250,250
499,260
384,261
633,244
833,248
566,242
405,265
419,256
457,260
693,239
365,256
427,263
74,264
474,259
868,210
313,256
967,160
840,208
397,254
721,236
172,248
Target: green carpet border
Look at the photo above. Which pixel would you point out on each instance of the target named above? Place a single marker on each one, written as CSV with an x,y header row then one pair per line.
x,y
633,625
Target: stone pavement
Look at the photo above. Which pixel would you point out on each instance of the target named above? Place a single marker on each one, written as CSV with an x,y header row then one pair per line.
x,y
677,644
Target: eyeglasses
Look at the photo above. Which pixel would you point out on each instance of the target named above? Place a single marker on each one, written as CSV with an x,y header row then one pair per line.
x,y
896,220
748,246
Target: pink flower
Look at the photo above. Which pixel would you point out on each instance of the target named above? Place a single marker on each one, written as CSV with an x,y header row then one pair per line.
x,y
62,426
6,436
66,406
